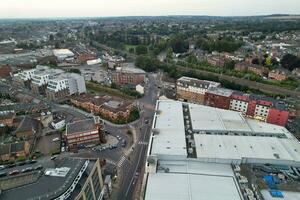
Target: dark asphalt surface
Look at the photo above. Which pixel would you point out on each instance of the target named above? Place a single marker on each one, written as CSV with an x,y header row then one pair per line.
x,y
131,171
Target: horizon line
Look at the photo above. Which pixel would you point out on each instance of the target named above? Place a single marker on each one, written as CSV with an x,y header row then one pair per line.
x,y
128,16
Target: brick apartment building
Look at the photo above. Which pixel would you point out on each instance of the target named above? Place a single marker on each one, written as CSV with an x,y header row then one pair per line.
x,y
278,75
218,97
128,76
260,107
193,90
83,133
256,69
111,108
5,71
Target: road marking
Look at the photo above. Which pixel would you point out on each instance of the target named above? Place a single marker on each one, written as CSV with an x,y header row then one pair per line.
x,y
121,161
143,143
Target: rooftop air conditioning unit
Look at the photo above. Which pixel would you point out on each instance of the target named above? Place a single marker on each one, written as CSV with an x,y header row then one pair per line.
x,y
155,131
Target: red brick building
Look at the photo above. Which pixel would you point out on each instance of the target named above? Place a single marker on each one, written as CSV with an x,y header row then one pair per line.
x,y
259,70
85,132
218,97
5,71
128,76
278,75
278,117
110,108
241,67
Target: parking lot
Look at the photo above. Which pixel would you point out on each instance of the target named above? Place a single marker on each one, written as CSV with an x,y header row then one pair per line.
x,y
46,145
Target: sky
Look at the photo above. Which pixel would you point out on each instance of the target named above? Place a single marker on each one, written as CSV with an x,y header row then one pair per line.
x,y
103,8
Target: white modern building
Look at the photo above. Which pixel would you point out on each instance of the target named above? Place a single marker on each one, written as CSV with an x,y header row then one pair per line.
x,y
63,54
193,147
65,85
41,79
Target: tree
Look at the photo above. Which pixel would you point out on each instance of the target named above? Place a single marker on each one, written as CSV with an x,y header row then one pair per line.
x,y
141,50
51,37
290,62
255,61
147,63
229,64
178,44
77,71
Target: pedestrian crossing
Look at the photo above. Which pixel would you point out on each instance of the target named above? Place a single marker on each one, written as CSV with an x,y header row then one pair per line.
x,y
143,143
121,161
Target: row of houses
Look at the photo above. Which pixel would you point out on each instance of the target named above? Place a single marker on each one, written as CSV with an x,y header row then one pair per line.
x,y
279,74
212,94
54,83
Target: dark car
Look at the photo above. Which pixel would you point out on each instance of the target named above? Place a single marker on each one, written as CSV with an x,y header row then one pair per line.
x,y
39,167
123,143
31,161
21,163
11,165
3,174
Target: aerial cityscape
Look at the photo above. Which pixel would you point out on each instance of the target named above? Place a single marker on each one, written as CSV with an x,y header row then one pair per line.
x,y
149,100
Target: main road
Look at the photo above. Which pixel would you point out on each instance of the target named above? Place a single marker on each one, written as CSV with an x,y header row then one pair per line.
x,y
131,171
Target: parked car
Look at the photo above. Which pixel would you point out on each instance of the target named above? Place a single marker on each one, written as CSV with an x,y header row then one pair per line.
x,y
39,167
2,167
3,174
11,165
31,161
15,172
21,163
123,143
28,169
55,139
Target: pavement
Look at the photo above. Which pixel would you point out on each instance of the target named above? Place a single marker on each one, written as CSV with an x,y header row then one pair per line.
x,y
132,171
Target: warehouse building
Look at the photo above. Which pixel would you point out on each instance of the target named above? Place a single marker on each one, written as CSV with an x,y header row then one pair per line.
x,y
194,147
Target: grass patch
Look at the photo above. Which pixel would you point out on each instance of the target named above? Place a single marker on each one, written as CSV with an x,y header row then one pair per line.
x,y
97,88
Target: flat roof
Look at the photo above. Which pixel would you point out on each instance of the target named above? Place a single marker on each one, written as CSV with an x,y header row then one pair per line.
x,y
219,134
170,125
240,147
188,180
47,187
211,119
81,126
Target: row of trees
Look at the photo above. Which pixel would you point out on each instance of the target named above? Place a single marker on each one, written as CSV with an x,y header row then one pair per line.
x,y
220,45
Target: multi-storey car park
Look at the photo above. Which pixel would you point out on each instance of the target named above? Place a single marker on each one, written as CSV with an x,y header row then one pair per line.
x,y
199,152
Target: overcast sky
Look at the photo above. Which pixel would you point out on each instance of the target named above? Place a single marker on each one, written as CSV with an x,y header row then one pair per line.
x,y
95,8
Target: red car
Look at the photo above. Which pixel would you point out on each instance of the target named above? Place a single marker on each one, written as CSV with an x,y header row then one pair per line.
x,y
15,172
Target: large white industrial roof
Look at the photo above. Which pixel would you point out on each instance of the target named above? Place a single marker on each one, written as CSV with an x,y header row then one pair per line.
x,y
266,149
169,123
212,143
211,119
63,52
193,181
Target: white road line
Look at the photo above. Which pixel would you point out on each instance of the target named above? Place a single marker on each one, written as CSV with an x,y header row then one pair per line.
x,y
121,161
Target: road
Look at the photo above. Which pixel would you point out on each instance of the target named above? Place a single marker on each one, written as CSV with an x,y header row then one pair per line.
x,y
132,170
